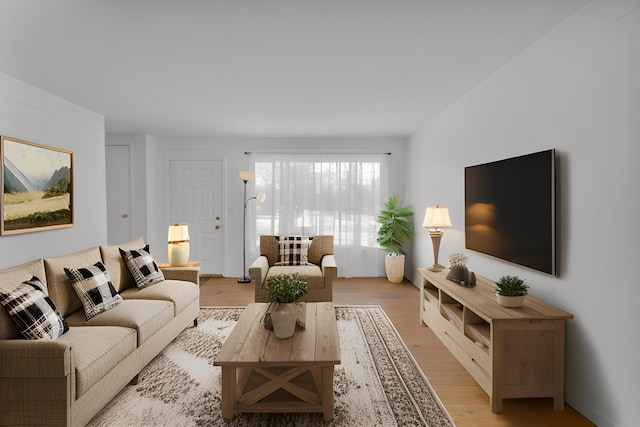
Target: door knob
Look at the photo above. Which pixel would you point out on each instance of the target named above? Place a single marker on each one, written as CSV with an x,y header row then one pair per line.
x,y
125,216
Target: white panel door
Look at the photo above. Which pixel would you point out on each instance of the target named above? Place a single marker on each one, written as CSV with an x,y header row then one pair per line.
x,y
118,165
196,199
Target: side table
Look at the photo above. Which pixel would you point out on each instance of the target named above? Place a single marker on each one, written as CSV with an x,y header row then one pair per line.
x,y
189,273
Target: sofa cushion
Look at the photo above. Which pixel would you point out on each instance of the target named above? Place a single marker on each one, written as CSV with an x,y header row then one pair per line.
x,y
94,287
118,271
33,311
312,273
294,250
144,269
10,279
96,351
59,285
180,293
145,316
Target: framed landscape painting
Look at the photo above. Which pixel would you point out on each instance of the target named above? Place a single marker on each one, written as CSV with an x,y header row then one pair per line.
x,y
37,184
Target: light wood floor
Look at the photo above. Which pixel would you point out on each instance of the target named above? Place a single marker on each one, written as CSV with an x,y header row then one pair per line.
x,y
467,403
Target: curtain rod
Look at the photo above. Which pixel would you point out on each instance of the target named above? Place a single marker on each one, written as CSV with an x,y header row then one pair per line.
x,y
311,152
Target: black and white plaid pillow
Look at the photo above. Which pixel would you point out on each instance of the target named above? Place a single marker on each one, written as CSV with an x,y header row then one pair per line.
x,y
294,250
33,311
94,288
143,268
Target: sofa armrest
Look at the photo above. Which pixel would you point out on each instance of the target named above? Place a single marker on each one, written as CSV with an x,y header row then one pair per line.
x,y
329,267
34,359
258,270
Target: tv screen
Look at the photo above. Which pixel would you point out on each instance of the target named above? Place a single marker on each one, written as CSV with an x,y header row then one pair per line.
x,y
510,210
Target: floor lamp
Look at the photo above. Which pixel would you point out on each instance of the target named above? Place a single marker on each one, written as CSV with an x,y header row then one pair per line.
x,y
435,218
246,176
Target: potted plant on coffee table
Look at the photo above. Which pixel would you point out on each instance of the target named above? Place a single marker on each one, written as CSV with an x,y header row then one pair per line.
x,y
284,290
395,230
511,291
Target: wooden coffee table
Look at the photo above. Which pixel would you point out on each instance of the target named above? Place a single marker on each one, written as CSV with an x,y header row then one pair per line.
x,y
261,373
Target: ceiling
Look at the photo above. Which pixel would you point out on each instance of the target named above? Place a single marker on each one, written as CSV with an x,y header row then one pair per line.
x,y
267,67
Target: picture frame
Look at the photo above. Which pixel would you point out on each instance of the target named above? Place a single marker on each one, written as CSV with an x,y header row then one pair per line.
x,y
37,183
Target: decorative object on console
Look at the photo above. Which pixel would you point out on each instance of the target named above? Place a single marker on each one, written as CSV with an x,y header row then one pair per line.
x,y
284,290
511,291
459,272
395,231
436,217
246,176
37,184
178,245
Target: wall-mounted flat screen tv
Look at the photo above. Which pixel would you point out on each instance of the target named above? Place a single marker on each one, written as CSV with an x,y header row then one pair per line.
x,y
510,210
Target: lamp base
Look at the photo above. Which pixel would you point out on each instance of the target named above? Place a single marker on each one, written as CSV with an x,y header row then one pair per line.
x,y
244,279
436,268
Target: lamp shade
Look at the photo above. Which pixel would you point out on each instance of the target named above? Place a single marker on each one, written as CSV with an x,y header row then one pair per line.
x,y
178,247
245,176
260,197
178,233
437,217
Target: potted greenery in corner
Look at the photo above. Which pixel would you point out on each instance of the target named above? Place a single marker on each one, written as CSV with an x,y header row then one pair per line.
x,y
395,230
284,290
511,291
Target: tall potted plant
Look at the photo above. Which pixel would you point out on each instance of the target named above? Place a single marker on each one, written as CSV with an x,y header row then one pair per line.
x,y
395,230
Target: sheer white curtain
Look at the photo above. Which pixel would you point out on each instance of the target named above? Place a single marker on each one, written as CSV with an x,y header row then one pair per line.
x,y
318,194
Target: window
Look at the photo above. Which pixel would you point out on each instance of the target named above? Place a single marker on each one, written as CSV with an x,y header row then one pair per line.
x,y
317,194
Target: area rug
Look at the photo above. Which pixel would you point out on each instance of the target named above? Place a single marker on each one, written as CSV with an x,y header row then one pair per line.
x,y
378,382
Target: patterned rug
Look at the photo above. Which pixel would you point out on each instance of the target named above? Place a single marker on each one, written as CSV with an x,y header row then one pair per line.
x,y
378,382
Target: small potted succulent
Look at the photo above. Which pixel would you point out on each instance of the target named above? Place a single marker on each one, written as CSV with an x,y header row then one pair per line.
x,y
458,271
285,289
511,291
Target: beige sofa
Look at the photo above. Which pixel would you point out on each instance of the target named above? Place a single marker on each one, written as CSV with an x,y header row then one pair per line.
x,y
319,274
67,381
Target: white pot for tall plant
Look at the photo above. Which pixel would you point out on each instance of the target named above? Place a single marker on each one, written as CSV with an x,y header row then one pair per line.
x,y
283,317
394,265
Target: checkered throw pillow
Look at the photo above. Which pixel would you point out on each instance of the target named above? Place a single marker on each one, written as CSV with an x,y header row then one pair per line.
x,y
143,268
33,311
94,288
294,250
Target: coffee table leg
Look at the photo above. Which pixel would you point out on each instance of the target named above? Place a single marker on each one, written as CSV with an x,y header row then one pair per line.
x,y
327,393
228,391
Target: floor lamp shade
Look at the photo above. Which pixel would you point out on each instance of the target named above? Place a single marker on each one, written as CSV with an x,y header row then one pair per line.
x,y
436,217
178,245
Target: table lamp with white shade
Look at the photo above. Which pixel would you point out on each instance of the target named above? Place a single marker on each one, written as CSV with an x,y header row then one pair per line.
x,y
178,245
436,217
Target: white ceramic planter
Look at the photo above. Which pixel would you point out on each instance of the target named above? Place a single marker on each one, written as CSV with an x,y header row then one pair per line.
x,y
283,317
511,302
394,265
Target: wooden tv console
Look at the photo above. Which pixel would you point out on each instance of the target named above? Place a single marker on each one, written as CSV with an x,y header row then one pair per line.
x,y
510,352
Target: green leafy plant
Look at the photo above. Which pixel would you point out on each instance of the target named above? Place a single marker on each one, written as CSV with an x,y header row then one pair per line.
x,y
396,229
286,288
456,259
511,286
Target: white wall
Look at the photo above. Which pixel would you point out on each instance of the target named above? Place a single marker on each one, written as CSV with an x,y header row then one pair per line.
x,y
160,151
30,114
576,90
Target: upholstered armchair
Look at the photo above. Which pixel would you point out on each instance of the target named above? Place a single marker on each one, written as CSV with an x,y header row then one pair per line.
x,y
319,273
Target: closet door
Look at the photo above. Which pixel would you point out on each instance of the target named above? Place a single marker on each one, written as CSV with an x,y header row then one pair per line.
x,y
119,215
